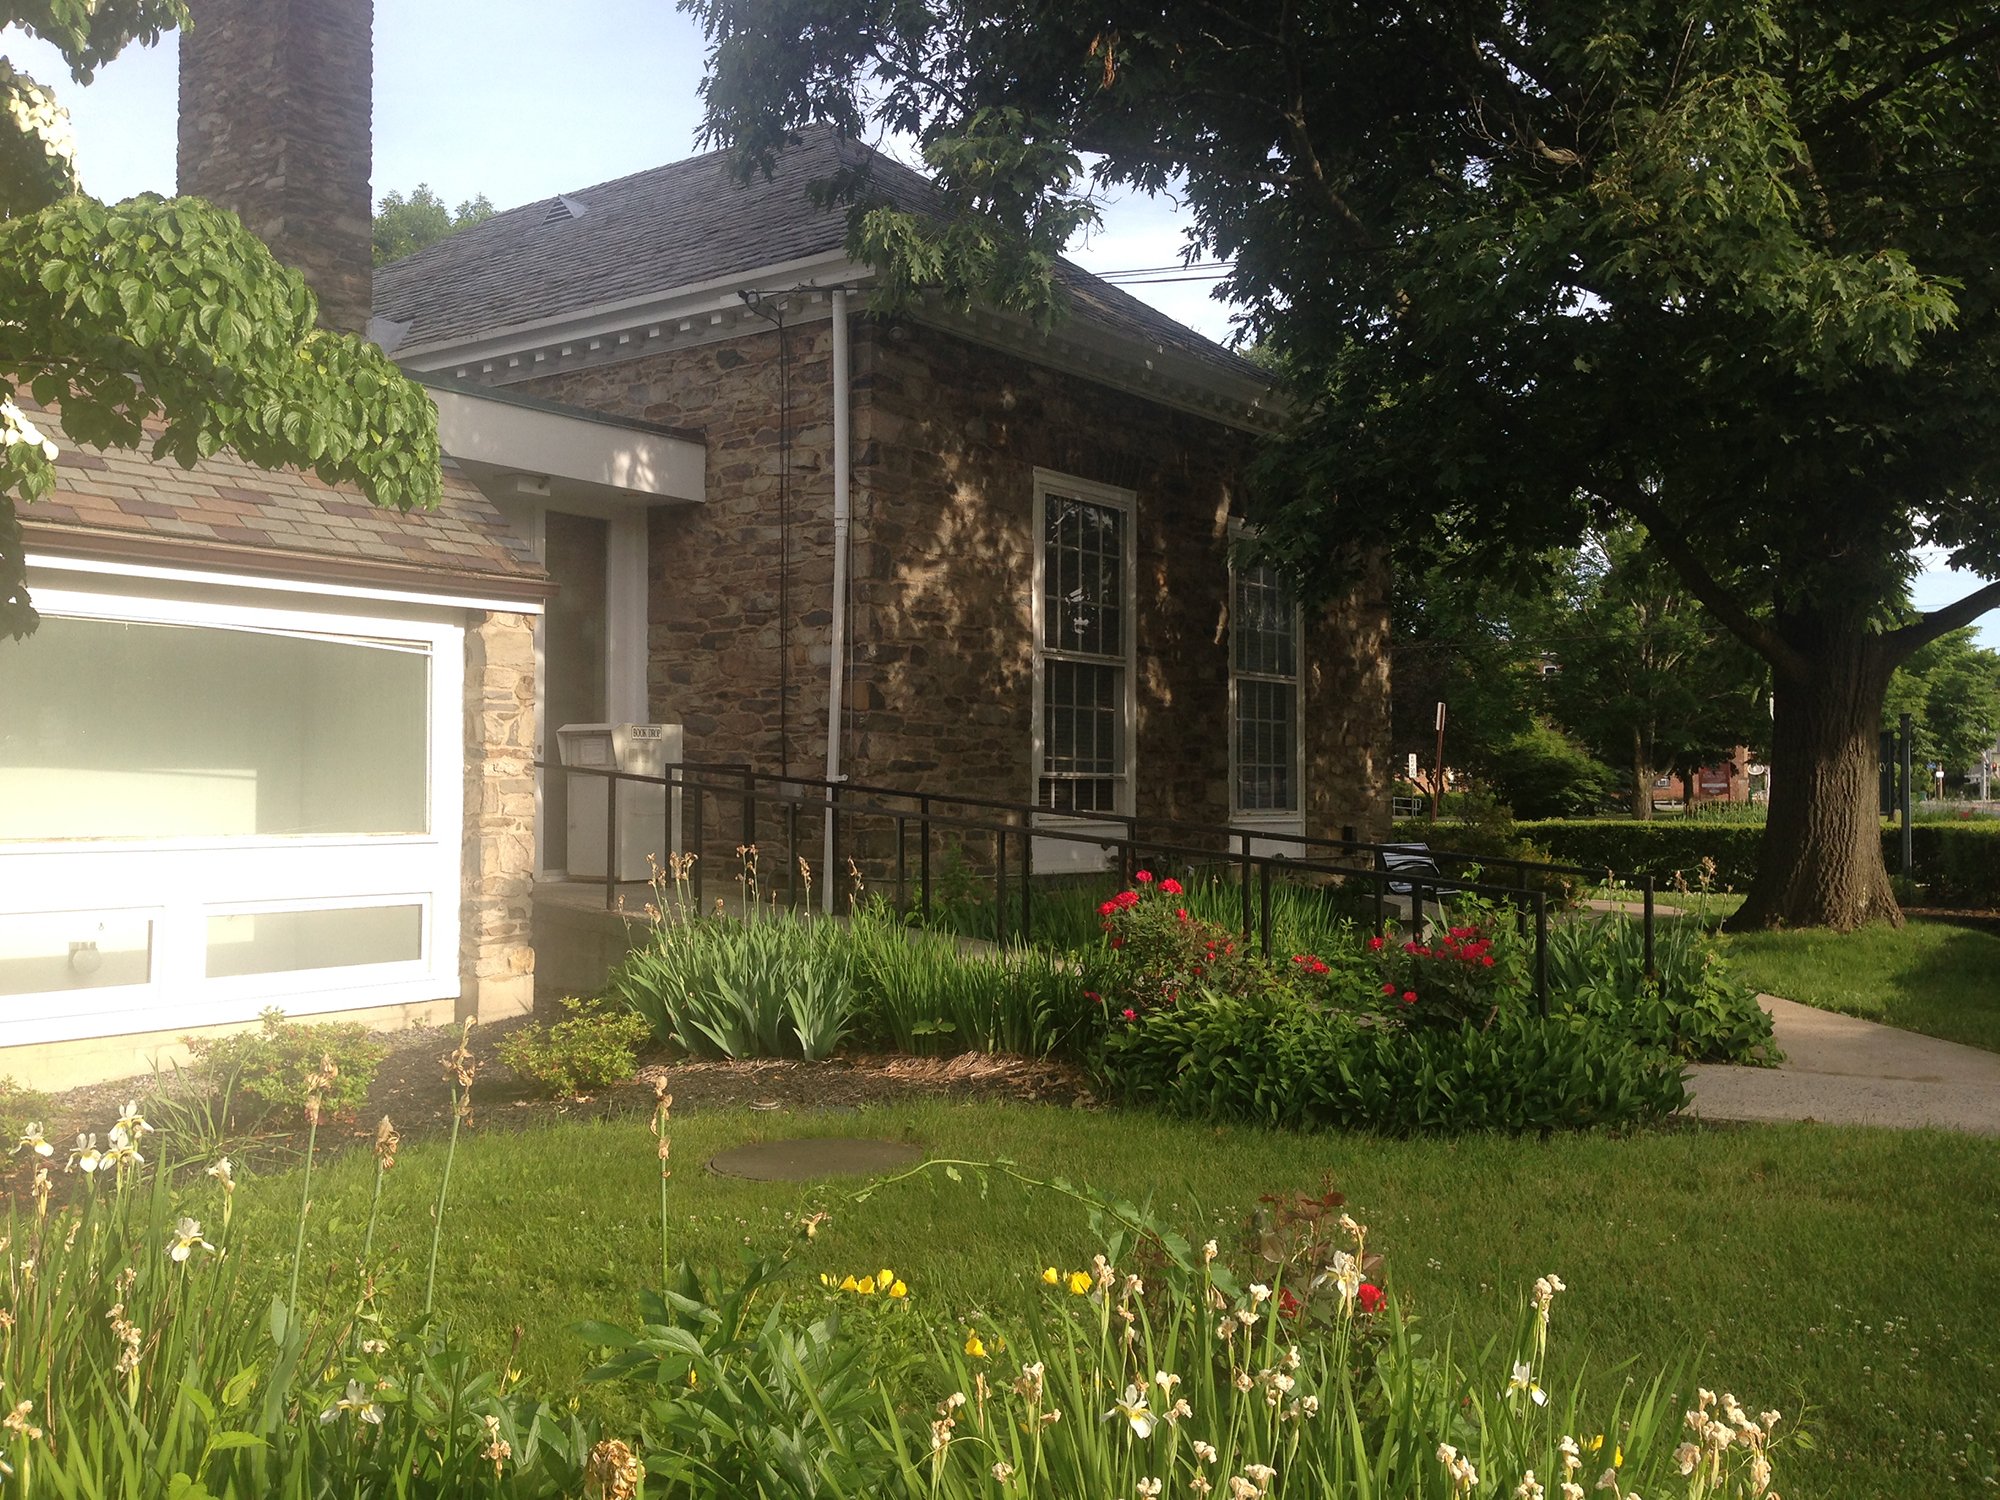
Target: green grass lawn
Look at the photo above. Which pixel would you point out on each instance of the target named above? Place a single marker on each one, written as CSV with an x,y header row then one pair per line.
x,y
1934,977
1846,1274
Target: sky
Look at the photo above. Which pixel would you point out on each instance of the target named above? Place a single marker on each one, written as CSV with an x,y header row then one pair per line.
x,y
495,97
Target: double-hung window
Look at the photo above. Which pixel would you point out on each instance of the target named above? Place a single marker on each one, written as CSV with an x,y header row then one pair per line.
x,y
1083,640
1265,694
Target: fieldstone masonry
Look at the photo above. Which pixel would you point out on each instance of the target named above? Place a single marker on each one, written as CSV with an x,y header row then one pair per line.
x,y
496,956
275,126
947,437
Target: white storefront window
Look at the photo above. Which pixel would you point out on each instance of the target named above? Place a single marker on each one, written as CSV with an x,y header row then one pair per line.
x,y
208,806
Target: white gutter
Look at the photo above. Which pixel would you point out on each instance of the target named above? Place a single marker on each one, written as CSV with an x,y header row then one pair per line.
x,y
837,665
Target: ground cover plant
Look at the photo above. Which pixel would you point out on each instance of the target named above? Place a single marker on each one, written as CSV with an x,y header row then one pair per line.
x,y
1749,1242
1930,976
1277,1359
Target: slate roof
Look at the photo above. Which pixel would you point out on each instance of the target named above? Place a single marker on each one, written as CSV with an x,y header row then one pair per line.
x,y
683,224
228,513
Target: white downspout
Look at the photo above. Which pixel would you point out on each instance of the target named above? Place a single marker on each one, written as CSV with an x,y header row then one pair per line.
x,y
837,663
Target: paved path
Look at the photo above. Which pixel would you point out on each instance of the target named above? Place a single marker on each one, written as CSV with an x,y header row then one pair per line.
x,y
1841,1070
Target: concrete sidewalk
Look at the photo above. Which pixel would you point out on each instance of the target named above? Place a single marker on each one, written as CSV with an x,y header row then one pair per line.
x,y
1840,1070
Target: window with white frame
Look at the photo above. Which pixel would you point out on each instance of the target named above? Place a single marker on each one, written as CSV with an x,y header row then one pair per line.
x,y
210,806
1265,692
1084,639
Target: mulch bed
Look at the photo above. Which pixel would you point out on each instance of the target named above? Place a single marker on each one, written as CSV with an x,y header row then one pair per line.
x,y
410,1088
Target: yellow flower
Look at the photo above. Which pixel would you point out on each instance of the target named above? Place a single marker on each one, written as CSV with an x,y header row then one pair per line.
x,y
1595,1443
825,1280
897,1289
849,1284
973,1346
1052,1276
1079,1282
884,1276
866,1286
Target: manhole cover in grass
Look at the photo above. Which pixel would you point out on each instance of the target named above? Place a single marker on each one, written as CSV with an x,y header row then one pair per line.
x,y
822,1156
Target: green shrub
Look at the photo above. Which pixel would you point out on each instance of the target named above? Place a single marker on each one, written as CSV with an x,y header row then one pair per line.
x,y
1696,1008
1958,863
1662,848
283,1062
595,1047
776,987
1277,1061
19,1108
917,992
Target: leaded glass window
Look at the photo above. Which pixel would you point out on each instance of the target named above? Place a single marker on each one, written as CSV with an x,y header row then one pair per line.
x,y
1265,634
1086,609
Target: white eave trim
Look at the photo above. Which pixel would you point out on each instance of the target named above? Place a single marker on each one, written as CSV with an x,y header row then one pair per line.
x,y
607,320
704,311
55,561
510,437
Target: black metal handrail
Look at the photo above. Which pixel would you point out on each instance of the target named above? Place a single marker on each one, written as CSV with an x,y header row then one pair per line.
x,y
841,803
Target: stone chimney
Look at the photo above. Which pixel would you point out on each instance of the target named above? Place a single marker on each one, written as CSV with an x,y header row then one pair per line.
x,y
275,125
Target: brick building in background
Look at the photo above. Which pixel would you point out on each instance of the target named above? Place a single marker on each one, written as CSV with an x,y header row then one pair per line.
x,y
1040,604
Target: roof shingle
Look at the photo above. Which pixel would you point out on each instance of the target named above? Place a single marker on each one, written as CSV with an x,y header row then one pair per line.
x,y
284,521
681,225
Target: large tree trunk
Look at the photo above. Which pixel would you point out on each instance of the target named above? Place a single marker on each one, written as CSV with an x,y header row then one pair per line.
x,y
1820,864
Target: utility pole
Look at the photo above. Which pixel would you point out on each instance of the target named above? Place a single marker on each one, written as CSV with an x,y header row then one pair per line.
x,y
1437,775
1906,730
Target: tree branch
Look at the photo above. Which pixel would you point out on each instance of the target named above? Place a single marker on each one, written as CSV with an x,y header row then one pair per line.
x,y
1904,72
1784,658
1900,643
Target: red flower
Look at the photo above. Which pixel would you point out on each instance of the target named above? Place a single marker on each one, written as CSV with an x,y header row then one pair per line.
x,y
1179,911
1375,944
1316,967
1409,997
1388,989
1486,962
1288,1305
1107,908
1171,886
1129,1013
1370,1296
1118,942
1093,995
1144,877
1126,900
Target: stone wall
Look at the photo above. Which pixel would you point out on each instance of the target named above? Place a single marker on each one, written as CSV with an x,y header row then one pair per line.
x,y
496,956
275,125
947,437
723,662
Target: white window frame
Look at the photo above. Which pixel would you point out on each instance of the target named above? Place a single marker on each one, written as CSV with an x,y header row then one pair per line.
x,y
1292,819
178,883
1048,482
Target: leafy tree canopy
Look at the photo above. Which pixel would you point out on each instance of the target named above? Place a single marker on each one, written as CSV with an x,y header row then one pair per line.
x,y
164,323
404,226
1724,269
1951,689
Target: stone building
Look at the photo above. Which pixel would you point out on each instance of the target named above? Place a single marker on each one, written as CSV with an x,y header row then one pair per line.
x,y
274,747
1030,529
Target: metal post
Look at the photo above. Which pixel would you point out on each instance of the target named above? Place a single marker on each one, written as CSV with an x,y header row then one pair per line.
x,y
749,812
1027,881
1246,888
611,842
698,823
1264,904
924,854
1000,889
792,855
1542,953
1416,910
1647,887
902,864
1907,732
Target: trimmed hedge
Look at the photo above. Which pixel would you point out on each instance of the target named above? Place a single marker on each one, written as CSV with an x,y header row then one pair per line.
x,y
1957,863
